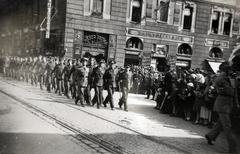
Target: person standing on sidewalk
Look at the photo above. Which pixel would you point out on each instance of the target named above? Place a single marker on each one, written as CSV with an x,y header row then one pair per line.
x,y
225,102
110,77
126,82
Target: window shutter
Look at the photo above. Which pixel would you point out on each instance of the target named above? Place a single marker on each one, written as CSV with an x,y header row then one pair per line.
x,y
87,11
154,6
236,23
106,9
171,12
177,13
149,9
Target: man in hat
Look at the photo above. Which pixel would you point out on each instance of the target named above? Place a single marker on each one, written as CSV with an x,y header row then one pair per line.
x,y
224,103
126,82
97,81
110,77
81,77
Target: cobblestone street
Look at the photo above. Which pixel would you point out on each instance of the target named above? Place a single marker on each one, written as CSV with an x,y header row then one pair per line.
x,y
141,130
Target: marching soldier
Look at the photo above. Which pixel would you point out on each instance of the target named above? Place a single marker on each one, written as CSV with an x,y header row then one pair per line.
x,y
81,76
48,70
58,70
42,78
126,81
73,72
91,66
66,73
97,81
110,83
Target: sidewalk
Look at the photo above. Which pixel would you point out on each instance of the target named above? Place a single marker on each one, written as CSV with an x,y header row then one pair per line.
x,y
4,108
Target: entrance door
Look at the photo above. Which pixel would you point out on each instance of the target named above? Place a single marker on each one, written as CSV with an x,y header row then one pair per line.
x,y
132,60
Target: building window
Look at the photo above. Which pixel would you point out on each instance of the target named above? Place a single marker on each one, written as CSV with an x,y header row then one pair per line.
x,y
221,21
189,16
215,52
97,7
162,10
134,43
136,11
185,49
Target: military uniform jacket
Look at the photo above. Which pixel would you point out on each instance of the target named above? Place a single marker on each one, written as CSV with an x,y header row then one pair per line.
x,y
127,80
82,74
66,72
49,68
110,77
58,70
223,103
97,77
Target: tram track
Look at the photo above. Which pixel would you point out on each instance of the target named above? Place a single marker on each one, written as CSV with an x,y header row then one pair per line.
x,y
89,140
115,148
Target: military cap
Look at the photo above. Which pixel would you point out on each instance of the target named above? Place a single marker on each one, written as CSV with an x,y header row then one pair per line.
x,y
128,66
102,61
112,62
84,59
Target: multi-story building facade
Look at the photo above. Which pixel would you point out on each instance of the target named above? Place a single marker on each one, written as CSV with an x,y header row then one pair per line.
x,y
182,33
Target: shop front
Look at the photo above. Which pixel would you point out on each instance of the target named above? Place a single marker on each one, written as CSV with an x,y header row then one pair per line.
x,y
160,49
94,44
215,53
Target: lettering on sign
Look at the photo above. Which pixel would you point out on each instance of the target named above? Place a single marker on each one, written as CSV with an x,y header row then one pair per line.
x,y
89,38
218,43
48,19
160,35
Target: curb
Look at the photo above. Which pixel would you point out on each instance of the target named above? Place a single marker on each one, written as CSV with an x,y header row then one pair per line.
x,y
4,109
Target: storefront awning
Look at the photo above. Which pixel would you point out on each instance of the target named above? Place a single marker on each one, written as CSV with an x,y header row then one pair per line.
x,y
214,66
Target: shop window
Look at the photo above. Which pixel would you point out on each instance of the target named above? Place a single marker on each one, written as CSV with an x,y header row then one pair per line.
x,y
189,16
221,21
136,10
97,7
134,43
215,52
160,49
185,49
162,10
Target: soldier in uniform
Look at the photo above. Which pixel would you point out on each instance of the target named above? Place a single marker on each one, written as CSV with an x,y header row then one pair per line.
x,y
48,70
110,77
73,72
66,73
58,70
91,66
97,81
126,82
81,77
226,101
41,69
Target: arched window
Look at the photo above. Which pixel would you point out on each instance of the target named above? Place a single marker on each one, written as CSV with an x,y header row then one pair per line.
x,y
216,52
134,43
185,49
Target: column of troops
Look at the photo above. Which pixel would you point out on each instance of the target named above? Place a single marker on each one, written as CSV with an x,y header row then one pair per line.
x,y
74,78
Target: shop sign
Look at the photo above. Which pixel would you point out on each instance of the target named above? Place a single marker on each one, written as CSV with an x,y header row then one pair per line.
x,y
160,35
48,19
92,38
217,43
